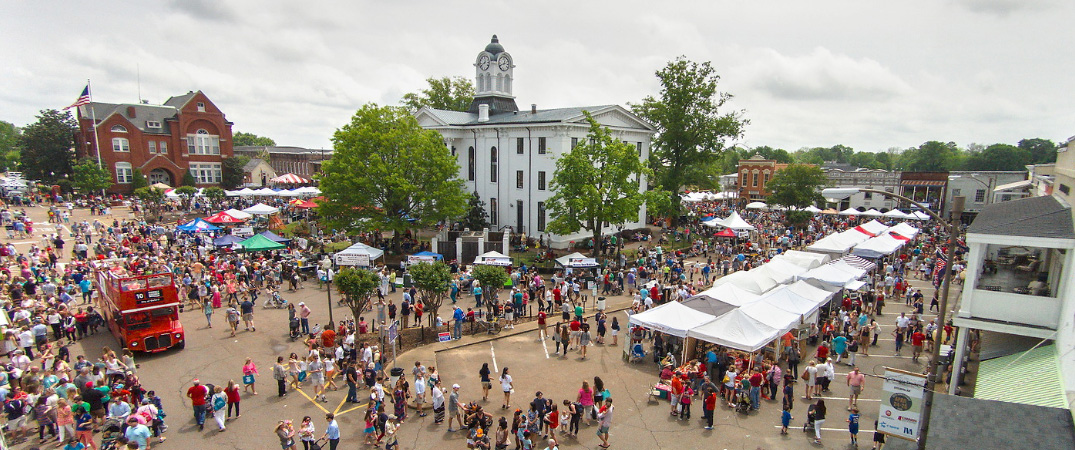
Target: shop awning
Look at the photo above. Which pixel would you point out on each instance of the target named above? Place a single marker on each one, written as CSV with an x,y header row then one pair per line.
x,y
1007,378
928,183
1011,186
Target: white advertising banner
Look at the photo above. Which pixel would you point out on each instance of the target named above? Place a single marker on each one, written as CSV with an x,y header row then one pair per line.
x,y
901,404
353,260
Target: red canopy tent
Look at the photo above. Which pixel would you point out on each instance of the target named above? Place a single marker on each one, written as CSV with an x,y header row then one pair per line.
x,y
727,232
305,204
222,217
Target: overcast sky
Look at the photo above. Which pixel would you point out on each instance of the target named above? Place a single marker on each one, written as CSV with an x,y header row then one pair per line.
x,y
867,74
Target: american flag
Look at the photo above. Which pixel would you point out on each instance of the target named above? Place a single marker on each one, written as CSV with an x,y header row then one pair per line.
x,y
938,269
83,99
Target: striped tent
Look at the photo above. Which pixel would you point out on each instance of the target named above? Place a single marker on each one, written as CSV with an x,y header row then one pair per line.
x,y
289,178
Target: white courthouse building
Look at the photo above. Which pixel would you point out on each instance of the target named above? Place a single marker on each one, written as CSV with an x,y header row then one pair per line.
x,y
509,156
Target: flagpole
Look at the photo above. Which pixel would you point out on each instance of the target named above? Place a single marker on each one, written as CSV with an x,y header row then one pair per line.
x,y
93,117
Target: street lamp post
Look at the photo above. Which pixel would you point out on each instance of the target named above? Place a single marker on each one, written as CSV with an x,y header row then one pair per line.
x,y
935,374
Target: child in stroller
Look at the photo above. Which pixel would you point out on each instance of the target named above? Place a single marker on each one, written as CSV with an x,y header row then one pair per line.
x,y
742,397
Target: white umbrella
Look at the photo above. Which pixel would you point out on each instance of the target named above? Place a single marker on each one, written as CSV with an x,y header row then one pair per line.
x,y
757,205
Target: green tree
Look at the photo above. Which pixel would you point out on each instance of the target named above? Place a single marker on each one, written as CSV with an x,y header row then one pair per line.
x,y
373,180
492,279
1042,151
231,172
152,198
137,179
477,218
186,193
214,193
998,157
596,183
88,178
357,286
452,94
932,156
9,146
46,146
797,185
241,139
188,179
691,129
432,281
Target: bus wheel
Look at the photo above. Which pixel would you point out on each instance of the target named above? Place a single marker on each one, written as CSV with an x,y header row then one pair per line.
x,y
182,344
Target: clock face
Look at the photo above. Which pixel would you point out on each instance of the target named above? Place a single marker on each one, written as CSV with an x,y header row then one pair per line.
x,y
483,62
504,63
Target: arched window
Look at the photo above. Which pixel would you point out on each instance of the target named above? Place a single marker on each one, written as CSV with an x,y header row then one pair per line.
x,y
203,143
119,129
121,145
124,173
492,165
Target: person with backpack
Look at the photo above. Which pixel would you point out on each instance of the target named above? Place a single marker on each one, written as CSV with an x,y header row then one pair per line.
x,y
233,319
219,403
15,410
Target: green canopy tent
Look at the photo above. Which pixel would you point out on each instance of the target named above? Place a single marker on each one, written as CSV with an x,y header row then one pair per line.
x,y
259,243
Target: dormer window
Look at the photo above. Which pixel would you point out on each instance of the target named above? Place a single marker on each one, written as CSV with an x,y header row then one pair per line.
x,y
152,124
119,129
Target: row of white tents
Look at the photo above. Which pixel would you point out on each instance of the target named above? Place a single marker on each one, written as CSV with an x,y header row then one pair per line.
x,y
892,214
869,240
306,191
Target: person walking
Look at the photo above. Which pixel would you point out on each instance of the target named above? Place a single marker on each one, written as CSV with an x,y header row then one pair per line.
x,y
332,431
454,406
207,309
507,386
709,404
604,418
306,432
856,381
819,420
585,398
219,406
250,372
247,309
487,383
279,373
853,426
286,433
232,392
197,395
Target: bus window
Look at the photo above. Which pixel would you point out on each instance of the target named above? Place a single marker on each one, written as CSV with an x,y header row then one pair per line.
x,y
133,285
160,281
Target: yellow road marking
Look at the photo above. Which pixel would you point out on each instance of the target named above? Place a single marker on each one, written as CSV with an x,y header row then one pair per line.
x,y
318,405
337,411
352,409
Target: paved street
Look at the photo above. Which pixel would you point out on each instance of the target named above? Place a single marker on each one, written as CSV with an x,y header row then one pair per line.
x,y
215,357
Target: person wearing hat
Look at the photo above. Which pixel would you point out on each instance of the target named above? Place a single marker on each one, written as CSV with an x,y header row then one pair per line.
x,y
390,428
197,395
453,408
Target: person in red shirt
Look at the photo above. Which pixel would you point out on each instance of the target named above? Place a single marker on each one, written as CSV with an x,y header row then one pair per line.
x,y
917,340
655,294
197,394
576,332
328,338
541,324
822,351
708,405
677,390
232,392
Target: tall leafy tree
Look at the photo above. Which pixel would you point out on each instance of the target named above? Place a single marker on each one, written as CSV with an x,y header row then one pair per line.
x,y
9,146
188,179
138,180
477,217
47,146
88,178
358,287
998,157
492,279
231,172
432,281
241,139
1042,151
388,173
691,128
452,94
596,183
214,193
152,198
796,185
932,156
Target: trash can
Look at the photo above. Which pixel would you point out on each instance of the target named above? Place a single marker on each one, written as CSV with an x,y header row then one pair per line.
x,y
600,303
407,280
394,375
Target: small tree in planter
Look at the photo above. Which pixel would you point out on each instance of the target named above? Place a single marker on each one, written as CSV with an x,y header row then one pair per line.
x,y
432,281
492,278
358,287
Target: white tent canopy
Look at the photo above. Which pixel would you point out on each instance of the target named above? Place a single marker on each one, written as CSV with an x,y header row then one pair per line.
x,y
905,230
920,215
781,271
850,212
812,209
872,213
836,273
246,192
358,255
800,298
882,245
750,281
840,242
671,318
238,214
576,260
730,294
806,260
873,227
493,259
737,330
735,222
261,209
265,192
757,205
895,214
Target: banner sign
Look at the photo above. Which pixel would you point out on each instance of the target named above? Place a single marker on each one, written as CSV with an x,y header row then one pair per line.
x,y
393,332
352,259
242,231
444,337
901,404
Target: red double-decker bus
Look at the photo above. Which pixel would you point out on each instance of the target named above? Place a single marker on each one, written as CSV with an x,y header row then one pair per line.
x,y
141,310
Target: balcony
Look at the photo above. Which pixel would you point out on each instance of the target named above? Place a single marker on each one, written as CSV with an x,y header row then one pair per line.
x,y
1011,308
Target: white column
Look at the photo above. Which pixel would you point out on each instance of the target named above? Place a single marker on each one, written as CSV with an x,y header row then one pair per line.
x,y
433,244
459,252
957,364
506,244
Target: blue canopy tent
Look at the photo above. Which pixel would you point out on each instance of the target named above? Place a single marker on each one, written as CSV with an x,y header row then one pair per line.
x,y
274,237
197,225
227,240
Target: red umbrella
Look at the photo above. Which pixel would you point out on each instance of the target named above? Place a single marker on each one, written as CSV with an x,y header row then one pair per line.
x,y
222,217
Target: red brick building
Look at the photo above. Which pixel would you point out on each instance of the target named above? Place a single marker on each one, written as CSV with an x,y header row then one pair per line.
x,y
754,174
187,132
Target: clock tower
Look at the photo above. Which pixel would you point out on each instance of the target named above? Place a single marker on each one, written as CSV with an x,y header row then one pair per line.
x,y
493,77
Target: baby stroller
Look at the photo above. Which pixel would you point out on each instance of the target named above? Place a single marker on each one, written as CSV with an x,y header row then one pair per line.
x,y
742,401
809,425
110,432
293,326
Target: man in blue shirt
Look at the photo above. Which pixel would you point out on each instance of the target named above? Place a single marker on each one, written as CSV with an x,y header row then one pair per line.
x,y
458,316
87,290
332,432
